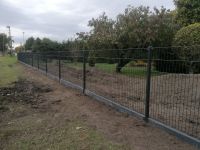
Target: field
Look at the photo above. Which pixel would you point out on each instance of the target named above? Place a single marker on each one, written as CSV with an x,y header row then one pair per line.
x,y
38,113
110,68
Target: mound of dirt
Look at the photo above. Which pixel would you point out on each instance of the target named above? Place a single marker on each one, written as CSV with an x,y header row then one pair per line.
x,y
23,91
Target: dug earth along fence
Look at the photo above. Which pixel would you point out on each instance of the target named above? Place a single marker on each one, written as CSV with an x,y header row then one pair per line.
x,y
161,85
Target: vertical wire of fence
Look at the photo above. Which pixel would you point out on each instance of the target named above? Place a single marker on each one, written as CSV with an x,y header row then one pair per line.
x,y
162,83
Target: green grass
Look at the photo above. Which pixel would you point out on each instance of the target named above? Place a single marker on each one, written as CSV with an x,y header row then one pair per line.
x,y
110,68
10,72
41,132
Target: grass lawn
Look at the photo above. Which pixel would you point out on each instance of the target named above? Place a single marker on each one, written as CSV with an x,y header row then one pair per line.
x,y
40,132
110,68
10,72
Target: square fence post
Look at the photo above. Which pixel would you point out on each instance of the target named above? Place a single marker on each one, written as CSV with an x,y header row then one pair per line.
x,y
84,72
59,66
25,58
32,60
38,64
148,84
46,65
190,69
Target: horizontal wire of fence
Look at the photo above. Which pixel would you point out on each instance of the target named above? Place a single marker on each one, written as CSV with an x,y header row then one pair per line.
x,y
159,83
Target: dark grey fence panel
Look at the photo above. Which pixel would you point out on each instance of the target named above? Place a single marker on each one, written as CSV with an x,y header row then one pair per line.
x,y
162,84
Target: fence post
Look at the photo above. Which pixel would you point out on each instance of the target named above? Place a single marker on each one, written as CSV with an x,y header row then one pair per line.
x,y
190,69
46,67
59,66
148,83
38,65
84,72
32,60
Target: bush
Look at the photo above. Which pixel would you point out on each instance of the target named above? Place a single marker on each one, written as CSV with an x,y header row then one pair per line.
x,y
165,60
188,36
189,40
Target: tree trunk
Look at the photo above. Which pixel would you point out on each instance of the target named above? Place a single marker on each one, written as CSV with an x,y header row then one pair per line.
x,y
122,62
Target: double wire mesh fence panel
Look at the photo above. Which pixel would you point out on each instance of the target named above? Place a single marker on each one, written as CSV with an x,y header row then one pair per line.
x,y
53,65
35,60
42,62
175,93
72,67
120,78
121,75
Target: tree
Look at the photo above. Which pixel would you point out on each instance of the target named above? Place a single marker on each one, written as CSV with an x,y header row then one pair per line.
x,y
37,45
189,40
45,45
140,28
121,40
102,32
29,43
165,28
188,11
102,37
4,41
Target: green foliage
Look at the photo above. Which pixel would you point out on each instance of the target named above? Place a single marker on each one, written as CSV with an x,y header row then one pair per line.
x,y
44,45
188,11
189,38
133,27
37,45
137,27
102,35
140,28
4,40
29,43
47,45
10,72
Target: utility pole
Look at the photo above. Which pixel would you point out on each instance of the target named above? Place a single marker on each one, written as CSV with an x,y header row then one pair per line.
x,y
23,42
3,44
10,39
21,47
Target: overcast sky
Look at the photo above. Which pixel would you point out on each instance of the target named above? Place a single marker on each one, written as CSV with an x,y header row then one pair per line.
x,y
60,19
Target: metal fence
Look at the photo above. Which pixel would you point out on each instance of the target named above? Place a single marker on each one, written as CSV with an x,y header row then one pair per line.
x,y
160,84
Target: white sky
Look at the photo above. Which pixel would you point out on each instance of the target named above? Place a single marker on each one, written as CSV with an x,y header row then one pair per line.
x,y
61,19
